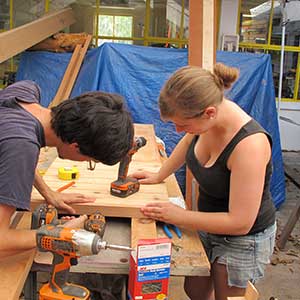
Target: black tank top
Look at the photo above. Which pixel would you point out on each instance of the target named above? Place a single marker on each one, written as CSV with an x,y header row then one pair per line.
x,y
214,181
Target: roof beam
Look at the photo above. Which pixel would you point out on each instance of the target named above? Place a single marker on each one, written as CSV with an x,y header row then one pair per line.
x,y
23,37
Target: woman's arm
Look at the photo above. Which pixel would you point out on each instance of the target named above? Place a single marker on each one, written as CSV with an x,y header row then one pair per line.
x,y
246,189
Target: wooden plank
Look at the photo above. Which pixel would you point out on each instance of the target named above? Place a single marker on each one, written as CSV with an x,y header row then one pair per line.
x,y
60,94
80,59
202,41
188,255
97,183
196,33
142,228
209,35
14,269
23,37
71,73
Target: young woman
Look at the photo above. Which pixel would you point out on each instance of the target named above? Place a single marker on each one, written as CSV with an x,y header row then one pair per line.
x,y
229,154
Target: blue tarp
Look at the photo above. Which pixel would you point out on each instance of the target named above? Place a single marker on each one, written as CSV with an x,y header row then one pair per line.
x,y
138,73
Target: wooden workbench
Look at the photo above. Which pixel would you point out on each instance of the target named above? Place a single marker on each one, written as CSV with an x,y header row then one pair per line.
x,y
188,255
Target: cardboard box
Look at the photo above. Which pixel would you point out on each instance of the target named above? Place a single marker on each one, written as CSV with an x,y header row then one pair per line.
x,y
150,270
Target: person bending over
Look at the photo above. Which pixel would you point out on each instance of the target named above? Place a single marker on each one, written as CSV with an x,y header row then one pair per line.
x,y
91,127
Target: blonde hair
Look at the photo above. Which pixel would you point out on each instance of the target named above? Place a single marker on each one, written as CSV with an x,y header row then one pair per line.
x,y
190,90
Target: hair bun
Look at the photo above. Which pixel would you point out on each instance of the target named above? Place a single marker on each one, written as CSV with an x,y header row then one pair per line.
x,y
225,75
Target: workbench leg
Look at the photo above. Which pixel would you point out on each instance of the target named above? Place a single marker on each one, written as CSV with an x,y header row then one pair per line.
x,y
30,287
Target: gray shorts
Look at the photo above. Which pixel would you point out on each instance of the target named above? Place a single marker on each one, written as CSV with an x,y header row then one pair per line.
x,y
244,256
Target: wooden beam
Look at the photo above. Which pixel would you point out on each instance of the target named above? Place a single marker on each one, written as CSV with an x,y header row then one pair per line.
x,y
202,53
14,269
21,38
202,40
142,228
196,33
60,94
71,73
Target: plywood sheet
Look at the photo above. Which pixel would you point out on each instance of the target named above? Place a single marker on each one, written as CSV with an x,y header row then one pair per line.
x,y
96,183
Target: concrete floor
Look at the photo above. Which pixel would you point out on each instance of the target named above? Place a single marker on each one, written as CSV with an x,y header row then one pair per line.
x,y
282,278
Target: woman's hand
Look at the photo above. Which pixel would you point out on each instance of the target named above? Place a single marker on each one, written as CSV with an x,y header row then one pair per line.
x,y
164,211
63,201
146,177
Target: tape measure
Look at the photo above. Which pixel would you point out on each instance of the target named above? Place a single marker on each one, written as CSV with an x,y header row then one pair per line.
x,y
68,173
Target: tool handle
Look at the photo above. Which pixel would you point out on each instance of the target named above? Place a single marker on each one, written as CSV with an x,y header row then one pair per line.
x,y
177,231
166,228
124,163
167,231
123,167
60,271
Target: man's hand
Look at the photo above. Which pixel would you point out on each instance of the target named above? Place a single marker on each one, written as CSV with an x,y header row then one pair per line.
x,y
57,199
63,201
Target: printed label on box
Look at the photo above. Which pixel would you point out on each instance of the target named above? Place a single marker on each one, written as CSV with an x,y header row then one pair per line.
x,y
150,270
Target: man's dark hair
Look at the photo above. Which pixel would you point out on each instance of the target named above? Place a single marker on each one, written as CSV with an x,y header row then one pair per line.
x,y
98,123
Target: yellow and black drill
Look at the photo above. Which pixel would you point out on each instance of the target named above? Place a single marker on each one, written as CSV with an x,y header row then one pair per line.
x,y
125,186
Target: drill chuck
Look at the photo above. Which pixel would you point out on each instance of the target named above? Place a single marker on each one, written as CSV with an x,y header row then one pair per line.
x,y
90,243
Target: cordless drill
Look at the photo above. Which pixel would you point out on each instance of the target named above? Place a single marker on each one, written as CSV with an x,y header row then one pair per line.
x,y
67,244
125,186
44,214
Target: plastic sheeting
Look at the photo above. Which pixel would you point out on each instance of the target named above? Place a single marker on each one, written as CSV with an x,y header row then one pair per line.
x,y
138,73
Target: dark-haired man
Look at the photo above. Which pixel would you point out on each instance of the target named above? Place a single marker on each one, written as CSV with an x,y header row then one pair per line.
x,y
91,127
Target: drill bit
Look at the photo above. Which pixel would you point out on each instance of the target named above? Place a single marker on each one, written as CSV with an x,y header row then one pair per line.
x,y
104,245
118,247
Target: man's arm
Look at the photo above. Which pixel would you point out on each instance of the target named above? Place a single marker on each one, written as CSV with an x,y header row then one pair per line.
x,y
57,199
13,240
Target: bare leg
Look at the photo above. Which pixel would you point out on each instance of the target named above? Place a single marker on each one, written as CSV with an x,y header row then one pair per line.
x,y
222,290
199,288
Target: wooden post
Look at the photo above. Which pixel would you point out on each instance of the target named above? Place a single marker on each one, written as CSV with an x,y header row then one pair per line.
x,y
202,52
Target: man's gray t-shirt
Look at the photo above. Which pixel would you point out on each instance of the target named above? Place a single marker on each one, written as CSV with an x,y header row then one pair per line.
x,y
21,137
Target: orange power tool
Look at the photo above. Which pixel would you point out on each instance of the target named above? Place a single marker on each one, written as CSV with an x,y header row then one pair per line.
x,y
67,244
125,186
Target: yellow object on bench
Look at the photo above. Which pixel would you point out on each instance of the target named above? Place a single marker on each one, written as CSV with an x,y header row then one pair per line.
x,y
68,173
